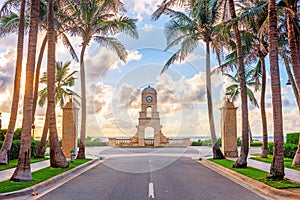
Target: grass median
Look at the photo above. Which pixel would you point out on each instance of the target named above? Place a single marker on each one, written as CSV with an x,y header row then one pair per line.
x,y
257,174
38,176
287,161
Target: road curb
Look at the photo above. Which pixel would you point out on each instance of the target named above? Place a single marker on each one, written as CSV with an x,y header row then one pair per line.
x,y
33,189
249,183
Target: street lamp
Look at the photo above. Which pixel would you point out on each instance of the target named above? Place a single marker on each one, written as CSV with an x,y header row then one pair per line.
x,y
33,127
228,96
288,82
70,95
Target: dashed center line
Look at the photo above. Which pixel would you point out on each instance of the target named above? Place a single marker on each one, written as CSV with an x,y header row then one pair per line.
x,y
151,191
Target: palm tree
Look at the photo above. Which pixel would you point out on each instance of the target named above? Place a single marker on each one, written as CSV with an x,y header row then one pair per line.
x,y
4,152
254,39
234,89
23,170
241,162
96,19
57,158
63,81
59,32
277,166
292,15
188,29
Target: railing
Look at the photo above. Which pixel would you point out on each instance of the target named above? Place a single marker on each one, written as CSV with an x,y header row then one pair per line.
x,y
149,142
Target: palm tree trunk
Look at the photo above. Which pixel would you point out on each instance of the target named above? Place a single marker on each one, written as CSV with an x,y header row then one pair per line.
x,y
40,152
241,162
81,152
296,67
264,153
293,50
277,166
57,158
37,77
217,153
23,170
4,152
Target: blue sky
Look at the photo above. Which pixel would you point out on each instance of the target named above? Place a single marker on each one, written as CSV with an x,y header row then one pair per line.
x,y
114,87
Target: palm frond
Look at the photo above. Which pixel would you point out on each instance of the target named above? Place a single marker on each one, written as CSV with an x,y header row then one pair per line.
x,y
114,45
42,97
69,46
176,57
252,97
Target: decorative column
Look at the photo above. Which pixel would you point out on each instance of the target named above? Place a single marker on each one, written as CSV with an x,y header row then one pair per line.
x,y
0,120
69,129
229,130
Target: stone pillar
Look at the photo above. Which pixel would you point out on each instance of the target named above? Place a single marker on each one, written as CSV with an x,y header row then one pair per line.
x,y
69,129
0,120
229,130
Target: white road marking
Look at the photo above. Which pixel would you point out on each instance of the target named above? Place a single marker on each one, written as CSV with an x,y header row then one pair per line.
x,y
151,191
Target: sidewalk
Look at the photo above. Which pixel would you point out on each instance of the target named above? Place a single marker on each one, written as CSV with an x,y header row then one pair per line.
x,y
6,174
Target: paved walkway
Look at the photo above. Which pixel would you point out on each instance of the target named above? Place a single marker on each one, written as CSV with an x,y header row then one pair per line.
x,y
6,174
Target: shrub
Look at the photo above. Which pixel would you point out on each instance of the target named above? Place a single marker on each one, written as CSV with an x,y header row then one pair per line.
x,y
15,148
289,149
270,148
256,144
17,134
2,134
219,142
292,138
199,143
94,143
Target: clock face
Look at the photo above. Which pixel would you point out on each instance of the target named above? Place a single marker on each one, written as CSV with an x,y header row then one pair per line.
x,y
149,99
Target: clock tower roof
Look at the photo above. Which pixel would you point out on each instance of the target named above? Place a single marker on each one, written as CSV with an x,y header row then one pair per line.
x,y
149,90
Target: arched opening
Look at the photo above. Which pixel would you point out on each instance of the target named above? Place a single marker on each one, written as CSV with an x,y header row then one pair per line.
x,y
149,132
149,136
149,112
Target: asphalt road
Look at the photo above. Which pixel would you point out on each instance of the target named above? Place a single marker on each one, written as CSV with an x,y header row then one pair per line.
x,y
150,177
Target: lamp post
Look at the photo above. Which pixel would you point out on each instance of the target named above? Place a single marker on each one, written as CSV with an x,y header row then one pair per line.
x,y
228,96
70,96
33,127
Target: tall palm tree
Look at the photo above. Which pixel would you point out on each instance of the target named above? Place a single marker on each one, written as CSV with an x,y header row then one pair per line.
x,y
189,29
60,34
4,151
57,158
254,39
63,81
277,166
292,15
23,170
96,19
241,162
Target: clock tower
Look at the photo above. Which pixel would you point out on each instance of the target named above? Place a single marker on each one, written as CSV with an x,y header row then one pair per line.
x,y
149,117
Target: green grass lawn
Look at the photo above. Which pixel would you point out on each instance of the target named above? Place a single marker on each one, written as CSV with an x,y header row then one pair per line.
x,y
287,161
38,176
14,163
256,174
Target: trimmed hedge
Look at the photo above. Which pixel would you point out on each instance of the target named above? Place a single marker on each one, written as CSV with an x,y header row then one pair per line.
x,y
289,149
292,138
15,148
